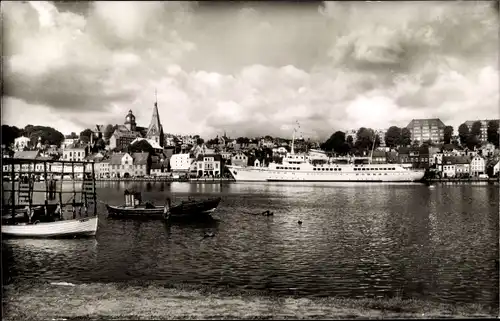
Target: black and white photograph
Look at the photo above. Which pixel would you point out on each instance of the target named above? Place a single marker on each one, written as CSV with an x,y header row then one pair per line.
x,y
166,160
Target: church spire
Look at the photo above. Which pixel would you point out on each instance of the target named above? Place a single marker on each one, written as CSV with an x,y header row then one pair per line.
x,y
155,130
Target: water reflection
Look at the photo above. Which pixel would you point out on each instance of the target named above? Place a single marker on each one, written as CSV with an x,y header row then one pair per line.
x,y
375,240
50,259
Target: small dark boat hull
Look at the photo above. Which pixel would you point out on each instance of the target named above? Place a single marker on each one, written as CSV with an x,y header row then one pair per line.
x,y
185,210
135,212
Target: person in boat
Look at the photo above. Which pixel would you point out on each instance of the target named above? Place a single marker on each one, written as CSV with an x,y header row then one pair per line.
x,y
166,209
26,213
31,212
58,212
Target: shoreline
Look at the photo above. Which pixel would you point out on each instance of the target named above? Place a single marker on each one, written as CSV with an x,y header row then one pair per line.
x,y
232,180
95,301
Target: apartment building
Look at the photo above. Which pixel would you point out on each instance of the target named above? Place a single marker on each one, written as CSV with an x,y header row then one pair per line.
x,y
427,129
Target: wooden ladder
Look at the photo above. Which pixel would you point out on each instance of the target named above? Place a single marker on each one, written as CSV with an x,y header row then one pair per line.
x,y
88,190
25,193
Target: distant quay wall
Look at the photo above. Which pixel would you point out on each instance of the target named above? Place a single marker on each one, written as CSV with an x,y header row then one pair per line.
x,y
165,179
463,180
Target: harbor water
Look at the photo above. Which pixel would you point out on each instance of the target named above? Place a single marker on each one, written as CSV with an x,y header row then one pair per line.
x,y
356,241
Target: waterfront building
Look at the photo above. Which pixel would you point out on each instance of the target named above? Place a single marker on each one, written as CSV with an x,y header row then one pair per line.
x,y
20,143
404,155
239,159
209,165
156,169
448,167
477,165
124,134
127,165
102,168
426,129
181,162
462,165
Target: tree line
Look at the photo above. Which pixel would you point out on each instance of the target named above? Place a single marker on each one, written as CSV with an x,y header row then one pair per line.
x,y
366,138
48,135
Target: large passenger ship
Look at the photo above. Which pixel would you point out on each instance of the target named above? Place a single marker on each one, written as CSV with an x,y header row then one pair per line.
x,y
308,167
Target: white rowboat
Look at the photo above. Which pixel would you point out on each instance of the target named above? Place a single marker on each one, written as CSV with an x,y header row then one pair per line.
x,y
67,228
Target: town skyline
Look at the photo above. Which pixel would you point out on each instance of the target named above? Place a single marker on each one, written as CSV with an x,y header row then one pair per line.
x,y
249,81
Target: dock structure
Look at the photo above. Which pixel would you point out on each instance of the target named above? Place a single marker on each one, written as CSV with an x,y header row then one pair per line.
x,y
25,192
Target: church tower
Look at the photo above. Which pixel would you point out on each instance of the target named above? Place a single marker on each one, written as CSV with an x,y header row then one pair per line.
x,y
155,129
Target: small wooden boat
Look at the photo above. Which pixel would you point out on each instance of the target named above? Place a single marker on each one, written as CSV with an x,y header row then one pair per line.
x,y
66,228
135,209
192,208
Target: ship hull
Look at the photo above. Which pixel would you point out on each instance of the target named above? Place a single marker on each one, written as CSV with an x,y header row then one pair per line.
x,y
269,175
85,227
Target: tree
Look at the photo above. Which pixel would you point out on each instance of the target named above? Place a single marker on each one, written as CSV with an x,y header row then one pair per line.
x,y
472,141
213,141
85,135
9,134
108,131
200,141
73,135
476,129
242,140
141,146
350,141
49,134
492,132
405,137
448,133
336,142
463,134
365,138
99,145
393,137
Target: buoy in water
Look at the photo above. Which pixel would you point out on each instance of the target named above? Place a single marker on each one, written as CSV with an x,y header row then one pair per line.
x,y
267,213
299,222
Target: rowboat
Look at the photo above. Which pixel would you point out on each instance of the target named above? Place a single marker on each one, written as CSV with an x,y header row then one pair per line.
x,y
67,228
135,209
123,211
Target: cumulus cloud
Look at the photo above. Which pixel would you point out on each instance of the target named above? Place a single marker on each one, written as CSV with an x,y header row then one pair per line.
x,y
251,70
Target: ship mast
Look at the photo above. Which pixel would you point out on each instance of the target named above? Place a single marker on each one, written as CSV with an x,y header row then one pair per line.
x,y
373,146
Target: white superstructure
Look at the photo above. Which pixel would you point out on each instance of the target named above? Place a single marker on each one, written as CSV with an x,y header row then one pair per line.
x,y
304,167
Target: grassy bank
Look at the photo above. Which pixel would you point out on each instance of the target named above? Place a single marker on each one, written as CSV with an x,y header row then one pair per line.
x,y
126,302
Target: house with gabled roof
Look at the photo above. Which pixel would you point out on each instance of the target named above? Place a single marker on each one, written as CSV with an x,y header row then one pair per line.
x,y
448,167
462,165
477,165
141,164
209,165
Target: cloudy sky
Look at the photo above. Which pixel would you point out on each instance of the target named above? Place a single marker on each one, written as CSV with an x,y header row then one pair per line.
x,y
249,69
